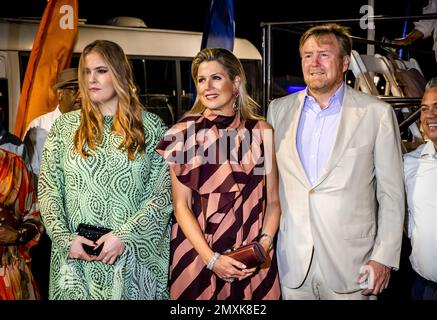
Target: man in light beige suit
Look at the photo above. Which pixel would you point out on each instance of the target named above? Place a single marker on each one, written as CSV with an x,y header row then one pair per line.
x,y
341,185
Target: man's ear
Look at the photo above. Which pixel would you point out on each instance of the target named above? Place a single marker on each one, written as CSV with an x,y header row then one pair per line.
x,y
59,94
346,62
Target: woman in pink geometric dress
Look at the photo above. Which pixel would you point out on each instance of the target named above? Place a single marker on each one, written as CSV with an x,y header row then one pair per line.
x,y
225,187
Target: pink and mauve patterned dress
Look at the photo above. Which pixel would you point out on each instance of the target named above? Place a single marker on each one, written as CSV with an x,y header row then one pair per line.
x,y
228,200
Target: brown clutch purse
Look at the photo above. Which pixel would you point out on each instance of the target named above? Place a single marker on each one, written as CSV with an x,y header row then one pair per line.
x,y
252,255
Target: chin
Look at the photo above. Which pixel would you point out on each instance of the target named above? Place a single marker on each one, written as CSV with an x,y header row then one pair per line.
x,y
432,137
213,107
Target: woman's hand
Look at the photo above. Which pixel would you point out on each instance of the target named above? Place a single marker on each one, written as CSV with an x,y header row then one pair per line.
x,y
77,251
229,269
112,248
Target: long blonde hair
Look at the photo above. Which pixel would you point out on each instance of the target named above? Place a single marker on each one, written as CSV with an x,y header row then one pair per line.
x,y
247,107
127,120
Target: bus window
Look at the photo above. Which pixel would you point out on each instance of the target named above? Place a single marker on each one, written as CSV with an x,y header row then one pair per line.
x,y
156,81
160,97
188,93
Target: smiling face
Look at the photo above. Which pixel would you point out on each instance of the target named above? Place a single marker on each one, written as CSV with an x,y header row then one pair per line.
x,y
428,114
215,89
323,64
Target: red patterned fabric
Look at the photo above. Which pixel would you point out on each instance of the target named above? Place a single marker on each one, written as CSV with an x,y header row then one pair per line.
x,y
18,199
221,160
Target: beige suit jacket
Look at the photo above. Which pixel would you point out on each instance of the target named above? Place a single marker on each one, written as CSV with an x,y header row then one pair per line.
x,y
355,210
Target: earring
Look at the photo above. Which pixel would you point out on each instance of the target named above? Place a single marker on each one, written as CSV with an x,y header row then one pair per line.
x,y
235,105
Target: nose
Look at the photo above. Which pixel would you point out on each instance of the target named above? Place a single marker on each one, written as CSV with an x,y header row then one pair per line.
x,y
208,83
92,77
315,60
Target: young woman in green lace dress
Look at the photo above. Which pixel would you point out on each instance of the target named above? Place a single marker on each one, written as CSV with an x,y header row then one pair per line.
x,y
99,167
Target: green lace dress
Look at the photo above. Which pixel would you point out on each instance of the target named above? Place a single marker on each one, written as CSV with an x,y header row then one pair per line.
x,y
133,198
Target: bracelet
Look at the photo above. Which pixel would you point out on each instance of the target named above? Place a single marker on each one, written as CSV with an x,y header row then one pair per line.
x,y
211,262
264,235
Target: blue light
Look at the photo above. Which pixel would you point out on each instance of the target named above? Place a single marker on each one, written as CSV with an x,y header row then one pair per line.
x,y
293,89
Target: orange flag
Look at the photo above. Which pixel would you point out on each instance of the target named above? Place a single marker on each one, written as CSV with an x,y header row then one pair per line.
x,y
51,52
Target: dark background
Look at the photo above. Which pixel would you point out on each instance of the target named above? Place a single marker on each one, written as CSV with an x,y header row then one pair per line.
x,y
189,15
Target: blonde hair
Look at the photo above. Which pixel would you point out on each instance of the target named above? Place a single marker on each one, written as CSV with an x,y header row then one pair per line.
x,y
341,33
247,107
127,120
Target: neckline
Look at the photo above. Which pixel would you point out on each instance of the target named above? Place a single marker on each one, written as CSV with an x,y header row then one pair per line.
x,y
222,121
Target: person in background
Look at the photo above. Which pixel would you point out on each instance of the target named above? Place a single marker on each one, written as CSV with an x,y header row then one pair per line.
x,y
67,93
420,171
9,141
422,28
99,167
226,194
340,179
66,88
20,229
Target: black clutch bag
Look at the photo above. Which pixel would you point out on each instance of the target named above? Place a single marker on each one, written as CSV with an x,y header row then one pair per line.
x,y
92,233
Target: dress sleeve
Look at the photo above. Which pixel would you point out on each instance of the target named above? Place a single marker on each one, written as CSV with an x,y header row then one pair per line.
x,y
28,207
152,220
23,199
51,190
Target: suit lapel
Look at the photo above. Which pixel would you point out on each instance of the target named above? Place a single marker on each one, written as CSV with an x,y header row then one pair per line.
x,y
296,165
351,115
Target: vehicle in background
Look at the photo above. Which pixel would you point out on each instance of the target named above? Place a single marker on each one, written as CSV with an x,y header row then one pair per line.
x,y
161,61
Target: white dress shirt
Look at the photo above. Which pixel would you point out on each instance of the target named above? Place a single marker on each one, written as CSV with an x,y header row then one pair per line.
x,y
316,132
429,26
36,135
420,170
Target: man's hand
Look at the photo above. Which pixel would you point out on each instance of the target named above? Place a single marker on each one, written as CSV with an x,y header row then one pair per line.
x,y
377,277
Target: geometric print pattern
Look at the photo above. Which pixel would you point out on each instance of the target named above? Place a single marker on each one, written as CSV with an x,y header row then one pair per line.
x,y
132,197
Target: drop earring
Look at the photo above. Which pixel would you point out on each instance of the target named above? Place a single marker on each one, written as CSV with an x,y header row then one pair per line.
x,y
235,105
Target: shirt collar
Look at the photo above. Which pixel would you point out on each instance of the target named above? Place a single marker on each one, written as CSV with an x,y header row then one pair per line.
x,y
429,150
334,104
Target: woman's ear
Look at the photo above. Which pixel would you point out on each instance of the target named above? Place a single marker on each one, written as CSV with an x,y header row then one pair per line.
x,y
237,82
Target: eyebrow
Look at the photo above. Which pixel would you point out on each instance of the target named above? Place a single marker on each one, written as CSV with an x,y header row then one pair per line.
x,y
96,68
428,105
211,75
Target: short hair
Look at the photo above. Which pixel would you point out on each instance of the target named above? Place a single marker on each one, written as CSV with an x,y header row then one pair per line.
x,y
431,83
342,34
